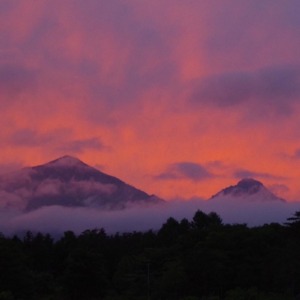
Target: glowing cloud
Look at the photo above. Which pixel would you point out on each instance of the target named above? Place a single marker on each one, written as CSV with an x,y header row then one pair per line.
x,y
147,88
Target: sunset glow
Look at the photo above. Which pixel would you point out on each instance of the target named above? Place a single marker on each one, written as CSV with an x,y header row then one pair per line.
x,y
177,98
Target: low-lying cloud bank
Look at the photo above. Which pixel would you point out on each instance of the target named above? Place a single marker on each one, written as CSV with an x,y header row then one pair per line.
x,y
57,219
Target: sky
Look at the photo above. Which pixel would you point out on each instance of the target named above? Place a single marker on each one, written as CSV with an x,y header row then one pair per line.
x,y
178,98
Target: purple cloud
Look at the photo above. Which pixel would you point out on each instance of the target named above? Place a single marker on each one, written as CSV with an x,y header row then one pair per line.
x,y
61,139
32,138
10,167
245,33
14,79
185,170
243,173
78,146
276,87
296,154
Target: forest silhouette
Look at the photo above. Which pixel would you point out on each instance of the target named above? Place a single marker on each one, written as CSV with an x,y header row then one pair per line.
x,y
201,259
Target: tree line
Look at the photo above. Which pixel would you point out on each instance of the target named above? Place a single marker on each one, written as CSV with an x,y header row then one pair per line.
x,y
201,259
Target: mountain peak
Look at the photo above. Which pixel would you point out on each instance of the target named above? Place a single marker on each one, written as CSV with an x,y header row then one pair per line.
x,y
66,161
249,185
248,189
67,181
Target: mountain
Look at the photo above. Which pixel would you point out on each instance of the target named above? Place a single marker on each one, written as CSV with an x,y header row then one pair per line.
x,y
67,181
249,190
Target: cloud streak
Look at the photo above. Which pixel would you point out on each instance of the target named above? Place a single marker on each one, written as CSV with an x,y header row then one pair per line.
x,y
185,170
78,146
277,87
61,140
243,173
15,79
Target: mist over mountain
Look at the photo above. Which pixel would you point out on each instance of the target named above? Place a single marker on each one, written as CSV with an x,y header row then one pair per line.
x,y
67,194
68,182
247,190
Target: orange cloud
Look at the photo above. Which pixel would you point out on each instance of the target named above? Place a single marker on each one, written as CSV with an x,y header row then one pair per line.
x,y
138,87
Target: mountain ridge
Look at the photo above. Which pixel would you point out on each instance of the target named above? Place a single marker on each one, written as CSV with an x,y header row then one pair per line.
x,y
67,181
247,189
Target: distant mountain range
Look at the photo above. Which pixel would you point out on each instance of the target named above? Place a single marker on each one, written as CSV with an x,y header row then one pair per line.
x,y
67,181
249,190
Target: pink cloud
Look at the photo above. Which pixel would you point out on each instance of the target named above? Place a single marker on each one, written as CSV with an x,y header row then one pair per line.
x,y
159,82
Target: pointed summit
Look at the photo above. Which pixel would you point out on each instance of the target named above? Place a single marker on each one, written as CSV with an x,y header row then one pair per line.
x,y
247,189
67,181
66,161
248,186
